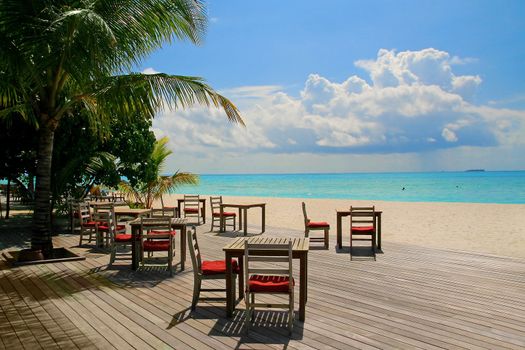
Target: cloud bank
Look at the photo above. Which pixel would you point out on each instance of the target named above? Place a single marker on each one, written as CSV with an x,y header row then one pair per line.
x,y
406,102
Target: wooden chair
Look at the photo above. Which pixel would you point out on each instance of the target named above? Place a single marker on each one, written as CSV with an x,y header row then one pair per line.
x,y
157,236
115,235
363,224
206,270
265,279
192,207
316,226
215,203
85,221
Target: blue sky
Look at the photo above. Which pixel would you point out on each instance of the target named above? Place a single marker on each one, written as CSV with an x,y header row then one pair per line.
x,y
336,86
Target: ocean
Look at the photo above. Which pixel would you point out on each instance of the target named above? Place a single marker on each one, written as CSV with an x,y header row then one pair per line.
x,y
471,186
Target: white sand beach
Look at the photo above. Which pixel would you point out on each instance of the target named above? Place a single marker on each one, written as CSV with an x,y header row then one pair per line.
x,y
497,229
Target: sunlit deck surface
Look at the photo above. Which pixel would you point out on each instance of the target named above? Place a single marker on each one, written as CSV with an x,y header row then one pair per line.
x,y
411,297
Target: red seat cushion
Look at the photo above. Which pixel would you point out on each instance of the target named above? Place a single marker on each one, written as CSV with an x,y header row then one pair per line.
x,y
226,213
269,284
363,229
173,232
122,237
104,227
191,210
90,224
216,267
318,224
156,246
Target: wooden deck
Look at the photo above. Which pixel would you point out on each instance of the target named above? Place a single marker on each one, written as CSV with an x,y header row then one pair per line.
x,y
411,297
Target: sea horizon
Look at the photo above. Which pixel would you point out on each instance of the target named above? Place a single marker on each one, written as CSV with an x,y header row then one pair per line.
x,y
478,186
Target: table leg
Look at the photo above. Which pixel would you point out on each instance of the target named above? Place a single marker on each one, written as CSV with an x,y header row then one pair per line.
x,y
240,219
135,248
303,286
245,221
241,277
182,247
230,303
339,231
263,218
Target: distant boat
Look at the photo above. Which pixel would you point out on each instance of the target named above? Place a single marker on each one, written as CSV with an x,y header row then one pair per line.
x,y
474,170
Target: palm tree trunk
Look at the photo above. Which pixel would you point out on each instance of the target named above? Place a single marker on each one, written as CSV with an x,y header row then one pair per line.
x,y
41,237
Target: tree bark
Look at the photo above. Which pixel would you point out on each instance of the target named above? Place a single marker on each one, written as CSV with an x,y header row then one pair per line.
x,y
41,236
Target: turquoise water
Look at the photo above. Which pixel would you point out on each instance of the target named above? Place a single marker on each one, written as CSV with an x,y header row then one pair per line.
x,y
474,187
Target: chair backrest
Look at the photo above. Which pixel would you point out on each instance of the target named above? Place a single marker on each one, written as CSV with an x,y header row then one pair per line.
x,y
306,220
157,224
362,216
107,219
195,252
215,203
273,259
191,201
84,213
163,212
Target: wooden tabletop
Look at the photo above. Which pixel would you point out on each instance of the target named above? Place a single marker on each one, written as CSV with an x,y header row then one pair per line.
x,y
298,244
242,206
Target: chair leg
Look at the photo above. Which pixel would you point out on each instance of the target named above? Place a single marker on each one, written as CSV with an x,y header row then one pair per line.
x,y
306,233
196,292
326,242
350,245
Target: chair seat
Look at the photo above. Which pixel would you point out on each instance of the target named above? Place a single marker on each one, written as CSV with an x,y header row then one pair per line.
x,y
173,232
318,224
217,267
156,246
269,284
226,213
123,237
105,228
363,229
191,210
90,224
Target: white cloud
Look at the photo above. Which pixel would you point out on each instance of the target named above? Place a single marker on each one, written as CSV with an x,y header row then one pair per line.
x,y
415,103
449,135
149,70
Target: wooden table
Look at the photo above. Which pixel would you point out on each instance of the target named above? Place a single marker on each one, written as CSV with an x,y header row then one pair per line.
x,y
243,213
341,213
203,208
176,223
300,248
121,211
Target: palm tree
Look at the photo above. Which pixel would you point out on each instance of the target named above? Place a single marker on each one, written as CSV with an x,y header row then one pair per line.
x,y
146,193
59,55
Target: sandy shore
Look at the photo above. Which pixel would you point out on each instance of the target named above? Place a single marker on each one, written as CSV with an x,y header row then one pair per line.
x,y
486,228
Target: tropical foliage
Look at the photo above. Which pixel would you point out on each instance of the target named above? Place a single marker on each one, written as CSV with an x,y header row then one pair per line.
x,y
145,194
61,56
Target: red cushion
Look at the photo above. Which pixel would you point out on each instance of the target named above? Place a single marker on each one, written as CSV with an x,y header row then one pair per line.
x,y
216,267
122,237
318,224
104,227
156,246
173,233
269,284
226,213
363,229
90,224
191,210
